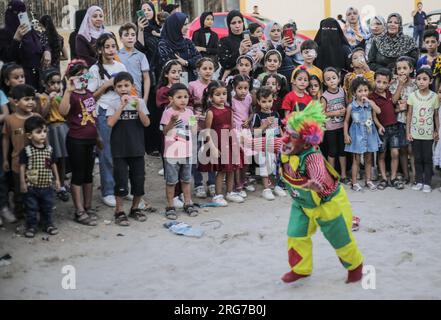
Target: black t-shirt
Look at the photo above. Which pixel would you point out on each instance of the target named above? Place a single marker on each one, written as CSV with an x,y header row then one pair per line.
x,y
260,117
127,137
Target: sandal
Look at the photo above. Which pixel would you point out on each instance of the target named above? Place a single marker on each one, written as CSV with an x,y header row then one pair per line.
x,y
356,187
138,215
83,218
121,219
382,185
92,214
397,184
371,185
345,180
52,230
355,223
190,210
30,233
170,213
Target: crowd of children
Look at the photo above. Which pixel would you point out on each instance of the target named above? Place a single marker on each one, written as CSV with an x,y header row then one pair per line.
x,y
228,129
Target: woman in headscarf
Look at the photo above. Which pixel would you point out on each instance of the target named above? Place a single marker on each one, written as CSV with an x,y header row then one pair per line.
x,y
91,29
173,45
234,45
23,45
386,49
334,48
377,28
79,16
354,31
205,39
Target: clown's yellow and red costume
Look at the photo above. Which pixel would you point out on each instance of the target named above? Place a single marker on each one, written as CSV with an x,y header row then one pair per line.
x,y
328,208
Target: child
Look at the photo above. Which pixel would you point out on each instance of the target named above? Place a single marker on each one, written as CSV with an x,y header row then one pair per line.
x,y
241,107
422,128
134,60
266,123
298,98
4,186
437,154
49,103
127,120
245,66
361,138
388,128
309,50
272,63
401,88
315,88
279,91
360,68
79,107
23,98
293,50
101,85
170,75
318,198
12,76
37,172
224,157
179,126
431,43
205,68
334,104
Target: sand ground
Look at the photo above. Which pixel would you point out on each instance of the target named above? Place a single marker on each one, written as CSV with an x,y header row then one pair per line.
x,y
241,256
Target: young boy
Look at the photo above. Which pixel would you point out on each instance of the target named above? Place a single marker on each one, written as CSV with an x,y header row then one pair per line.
x,y
37,172
309,50
134,60
23,99
266,123
179,125
388,128
431,43
361,68
127,121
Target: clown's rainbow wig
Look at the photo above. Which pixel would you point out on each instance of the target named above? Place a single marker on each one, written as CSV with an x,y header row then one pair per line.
x,y
309,123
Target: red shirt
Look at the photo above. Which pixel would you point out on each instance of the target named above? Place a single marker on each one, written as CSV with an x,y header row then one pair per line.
x,y
292,99
81,118
387,117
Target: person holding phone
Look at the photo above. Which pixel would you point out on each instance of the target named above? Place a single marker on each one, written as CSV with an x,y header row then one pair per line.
x,y
293,48
21,44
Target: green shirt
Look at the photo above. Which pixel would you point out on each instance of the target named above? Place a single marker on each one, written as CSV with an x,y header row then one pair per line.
x,y
423,108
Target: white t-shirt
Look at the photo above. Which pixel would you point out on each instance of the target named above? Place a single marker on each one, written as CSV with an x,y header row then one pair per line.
x,y
111,97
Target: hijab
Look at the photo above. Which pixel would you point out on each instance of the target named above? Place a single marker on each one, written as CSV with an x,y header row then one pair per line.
x,y
11,19
79,17
204,16
395,46
87,29
381,20
267,32
350,32
172,31
231,15
331,41
153,24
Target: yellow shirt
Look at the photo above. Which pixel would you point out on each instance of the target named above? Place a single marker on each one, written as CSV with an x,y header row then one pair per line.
x,y
369,76
313,71
53,114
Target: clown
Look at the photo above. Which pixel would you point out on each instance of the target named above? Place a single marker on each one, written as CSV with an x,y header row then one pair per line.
x,y
319,199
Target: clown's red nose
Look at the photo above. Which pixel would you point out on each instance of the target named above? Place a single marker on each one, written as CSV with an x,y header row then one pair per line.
x,y
285,139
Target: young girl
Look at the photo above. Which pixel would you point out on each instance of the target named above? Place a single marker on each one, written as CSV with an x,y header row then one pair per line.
x,y
334,104
362,137
275,82
422,128
241,107
315,88
360,68
298,98
401,88
223,158
205,68
101,85
272,62
79,107
12,76
49,104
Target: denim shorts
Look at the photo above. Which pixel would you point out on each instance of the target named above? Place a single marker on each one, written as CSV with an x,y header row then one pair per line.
x,y
402,136
391,138
176,170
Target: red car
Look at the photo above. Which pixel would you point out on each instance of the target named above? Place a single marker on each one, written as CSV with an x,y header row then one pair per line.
x,y
220,24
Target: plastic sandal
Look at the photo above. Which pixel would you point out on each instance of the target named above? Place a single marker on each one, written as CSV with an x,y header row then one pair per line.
x,y
83,218
356,187
138,215
121,219
170,213
30,233
397,184
371,186
382,185
355,223
190,210
92,214
52,230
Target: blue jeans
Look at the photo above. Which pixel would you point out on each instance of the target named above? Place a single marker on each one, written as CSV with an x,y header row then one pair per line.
x,y
105,156
418,32
198,178
38,200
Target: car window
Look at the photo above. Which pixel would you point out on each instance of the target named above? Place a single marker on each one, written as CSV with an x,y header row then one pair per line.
x,y
434,19
220,22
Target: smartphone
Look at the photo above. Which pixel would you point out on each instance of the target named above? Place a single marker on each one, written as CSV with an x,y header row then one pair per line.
x,y
247,34
24,19
289,33
141,14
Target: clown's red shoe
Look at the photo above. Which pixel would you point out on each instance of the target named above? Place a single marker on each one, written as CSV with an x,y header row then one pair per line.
x,y
292,276
355,275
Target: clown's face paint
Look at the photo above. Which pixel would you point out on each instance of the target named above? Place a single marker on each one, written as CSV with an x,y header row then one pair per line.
x,y
292,143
